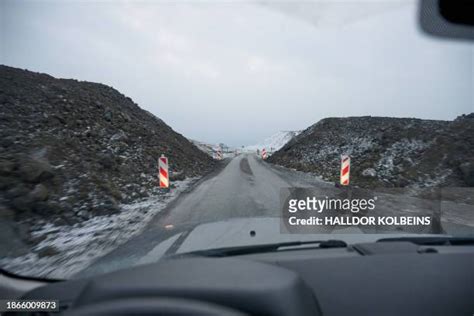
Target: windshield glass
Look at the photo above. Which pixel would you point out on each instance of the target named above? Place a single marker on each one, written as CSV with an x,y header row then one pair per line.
x,y
131,131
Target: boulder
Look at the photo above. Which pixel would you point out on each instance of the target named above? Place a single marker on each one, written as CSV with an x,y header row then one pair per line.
x,y
467,170
176,175
39,193
107,161
23,203
369,172
35,170
108,207
6,167
108,115
47,208
47,251
6,213
17,190
119,136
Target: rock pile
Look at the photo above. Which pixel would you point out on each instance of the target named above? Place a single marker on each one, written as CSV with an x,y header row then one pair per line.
x,y
387,152
70,150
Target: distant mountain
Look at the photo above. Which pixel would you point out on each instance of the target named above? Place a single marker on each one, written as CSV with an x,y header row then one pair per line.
x,y
390,152
77,149
274,142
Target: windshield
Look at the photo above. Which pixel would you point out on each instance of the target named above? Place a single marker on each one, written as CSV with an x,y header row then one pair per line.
x,y
131,131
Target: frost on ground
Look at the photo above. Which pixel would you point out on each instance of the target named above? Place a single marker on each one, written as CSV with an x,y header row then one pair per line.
x,y
66,249
386,152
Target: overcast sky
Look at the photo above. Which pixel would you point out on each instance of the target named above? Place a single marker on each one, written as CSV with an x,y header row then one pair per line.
x,y
236,72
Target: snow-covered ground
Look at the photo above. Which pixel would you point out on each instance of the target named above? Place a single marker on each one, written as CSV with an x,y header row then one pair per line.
x,y
75,247
274,142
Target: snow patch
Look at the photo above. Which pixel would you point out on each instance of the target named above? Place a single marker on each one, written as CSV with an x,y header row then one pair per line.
x,y
77,246
274,142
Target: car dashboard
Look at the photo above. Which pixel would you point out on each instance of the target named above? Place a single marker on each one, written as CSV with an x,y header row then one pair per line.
x,y
393,278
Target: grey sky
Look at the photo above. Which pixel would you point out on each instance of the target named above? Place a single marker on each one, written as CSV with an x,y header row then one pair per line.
x,y
236,72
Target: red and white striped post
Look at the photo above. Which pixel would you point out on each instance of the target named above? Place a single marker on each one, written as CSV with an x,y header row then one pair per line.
x,y
345,169
163,175
218,154
264,154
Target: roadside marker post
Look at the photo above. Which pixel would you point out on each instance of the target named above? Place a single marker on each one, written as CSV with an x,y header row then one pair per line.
x,y
163,174
345,169
264,154
218,154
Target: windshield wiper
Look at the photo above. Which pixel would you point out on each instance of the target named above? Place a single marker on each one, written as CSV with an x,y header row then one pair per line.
x,y
434,241
244,250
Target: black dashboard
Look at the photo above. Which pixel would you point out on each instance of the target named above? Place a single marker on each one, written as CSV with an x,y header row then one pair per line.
x,y
395,278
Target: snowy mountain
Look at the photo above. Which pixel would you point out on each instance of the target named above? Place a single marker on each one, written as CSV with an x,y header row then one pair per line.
x,y
274,142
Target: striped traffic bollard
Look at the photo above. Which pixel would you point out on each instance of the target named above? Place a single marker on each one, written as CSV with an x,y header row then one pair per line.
x,y
163,175
264,154
345,169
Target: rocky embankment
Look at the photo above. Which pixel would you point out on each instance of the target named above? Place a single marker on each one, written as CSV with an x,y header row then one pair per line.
x,y
386,152
71,150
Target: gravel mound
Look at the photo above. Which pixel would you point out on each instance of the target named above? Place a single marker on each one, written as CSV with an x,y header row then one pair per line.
x,y
386,152
71,150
